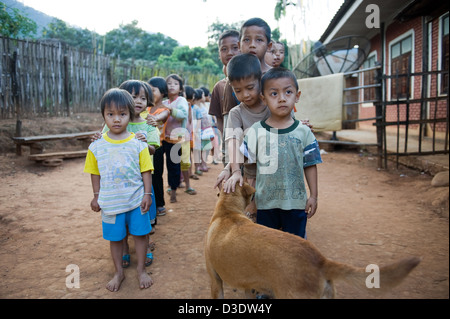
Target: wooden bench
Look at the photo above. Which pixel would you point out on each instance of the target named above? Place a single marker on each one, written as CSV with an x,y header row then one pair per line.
x,y
34,142
56,158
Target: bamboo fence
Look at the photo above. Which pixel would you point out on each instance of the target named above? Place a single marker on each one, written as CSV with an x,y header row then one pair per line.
x,y
48,79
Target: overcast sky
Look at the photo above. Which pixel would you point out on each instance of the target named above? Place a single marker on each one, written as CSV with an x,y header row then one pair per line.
x,y
187,21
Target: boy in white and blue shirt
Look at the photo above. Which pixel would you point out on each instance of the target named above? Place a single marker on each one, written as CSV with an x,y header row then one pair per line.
x,y
120,168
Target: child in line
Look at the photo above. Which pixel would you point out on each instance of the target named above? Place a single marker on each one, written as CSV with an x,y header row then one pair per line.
x,y
228,48
275,57
158,115
120,168
192,96
189,92
207,136
244,74
215,142
150,134
176,133
285,151
255,38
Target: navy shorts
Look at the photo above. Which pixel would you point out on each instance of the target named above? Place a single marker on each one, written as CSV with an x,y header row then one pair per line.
x,y
291,221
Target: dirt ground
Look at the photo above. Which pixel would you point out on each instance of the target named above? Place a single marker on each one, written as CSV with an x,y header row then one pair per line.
x,y
365,216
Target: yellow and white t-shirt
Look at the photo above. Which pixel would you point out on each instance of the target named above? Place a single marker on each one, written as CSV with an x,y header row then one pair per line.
x,y
119,164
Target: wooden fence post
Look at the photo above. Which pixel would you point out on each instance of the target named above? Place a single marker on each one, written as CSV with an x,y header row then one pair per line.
x,y
66,85
15,97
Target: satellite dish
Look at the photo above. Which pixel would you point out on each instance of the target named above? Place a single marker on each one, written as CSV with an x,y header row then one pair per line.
x,y
343,54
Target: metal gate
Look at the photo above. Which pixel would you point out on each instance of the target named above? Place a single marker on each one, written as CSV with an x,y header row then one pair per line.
x,y
413,123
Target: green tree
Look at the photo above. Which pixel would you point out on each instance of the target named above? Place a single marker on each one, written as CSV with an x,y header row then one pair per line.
x,y
75,37
130,41
191,56
214,32
15,25
156,44
280,8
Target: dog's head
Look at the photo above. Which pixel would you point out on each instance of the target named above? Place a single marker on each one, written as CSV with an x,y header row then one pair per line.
x,y
241,196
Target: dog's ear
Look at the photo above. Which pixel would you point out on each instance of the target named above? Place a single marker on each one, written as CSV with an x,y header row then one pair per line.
x,y
248,190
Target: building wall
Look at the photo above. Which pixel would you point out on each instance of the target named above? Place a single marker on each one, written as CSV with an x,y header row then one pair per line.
x,y
393,32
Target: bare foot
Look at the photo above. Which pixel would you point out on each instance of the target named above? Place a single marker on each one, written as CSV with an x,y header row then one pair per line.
x,y
115,283
145,281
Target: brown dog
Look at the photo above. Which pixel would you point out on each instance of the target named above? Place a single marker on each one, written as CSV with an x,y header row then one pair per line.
x,y
250,256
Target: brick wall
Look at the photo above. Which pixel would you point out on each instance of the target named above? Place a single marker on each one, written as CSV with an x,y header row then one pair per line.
x,y
394,31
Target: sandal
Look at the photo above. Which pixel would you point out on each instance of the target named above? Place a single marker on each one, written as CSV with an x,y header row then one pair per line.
x,y
160,211
126,261
169,190
193,176
149,256
199,173
191,191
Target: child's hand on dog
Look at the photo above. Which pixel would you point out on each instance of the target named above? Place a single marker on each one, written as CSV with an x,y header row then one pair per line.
x,y
230,185
222,178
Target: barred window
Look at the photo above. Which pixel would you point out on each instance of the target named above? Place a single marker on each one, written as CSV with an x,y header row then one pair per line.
x,y
401,64
444,54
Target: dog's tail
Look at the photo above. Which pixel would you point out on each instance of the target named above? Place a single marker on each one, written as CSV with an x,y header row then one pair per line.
x,y
377,279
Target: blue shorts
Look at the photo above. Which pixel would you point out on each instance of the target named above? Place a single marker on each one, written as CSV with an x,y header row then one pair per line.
x,y
291,221
138,225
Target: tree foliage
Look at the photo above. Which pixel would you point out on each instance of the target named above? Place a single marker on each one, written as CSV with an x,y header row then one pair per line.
x,y
130,41
15,25
75,37
280,8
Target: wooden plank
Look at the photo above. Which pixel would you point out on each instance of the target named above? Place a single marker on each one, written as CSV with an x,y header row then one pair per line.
x,y
71,154
33,139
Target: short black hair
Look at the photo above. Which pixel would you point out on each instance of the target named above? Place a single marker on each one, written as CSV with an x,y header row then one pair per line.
x,y
150,99
160,83
259,23
119,98
198,94
205,90
243,66
278,73
229,33
189,91
135,86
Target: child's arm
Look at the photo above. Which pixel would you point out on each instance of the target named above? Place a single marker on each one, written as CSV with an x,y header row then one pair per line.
x,y
223,176
147,199
98,135
236,159
154,119
95,181
311,179
181,111
151,149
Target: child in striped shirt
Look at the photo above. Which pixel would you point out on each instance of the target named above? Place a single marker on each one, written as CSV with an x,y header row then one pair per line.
x,y
120,168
